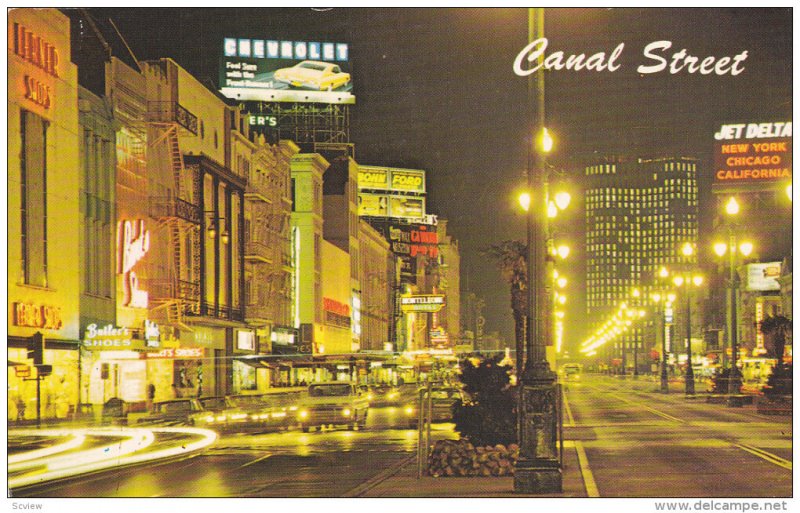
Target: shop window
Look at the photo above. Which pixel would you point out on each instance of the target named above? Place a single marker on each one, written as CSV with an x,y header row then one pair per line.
x,y
33,195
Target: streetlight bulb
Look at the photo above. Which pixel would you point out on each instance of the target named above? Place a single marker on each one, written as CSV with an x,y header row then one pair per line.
x,y
678,281
546,141
671,297
552,210
687,250
525,201
636,293
732,207
563,199
656,298
563,251
720,248
641,313
697,280
663,273
746,248
562,282
562,300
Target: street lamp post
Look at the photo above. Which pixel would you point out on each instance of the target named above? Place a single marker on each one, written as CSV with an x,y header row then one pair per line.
x,y
687,280
720,248
538,469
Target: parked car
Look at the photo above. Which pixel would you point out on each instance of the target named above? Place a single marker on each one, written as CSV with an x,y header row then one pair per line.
x,y
571,371
334,403
322,76
174,411
442,401
382,395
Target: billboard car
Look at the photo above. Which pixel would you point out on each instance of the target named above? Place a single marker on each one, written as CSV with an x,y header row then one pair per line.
x,y
285,71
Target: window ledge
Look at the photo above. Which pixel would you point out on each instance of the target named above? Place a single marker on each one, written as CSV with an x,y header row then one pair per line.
x,y
35,287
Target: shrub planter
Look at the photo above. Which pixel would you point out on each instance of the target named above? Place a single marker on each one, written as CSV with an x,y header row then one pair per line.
x,y
459,458
774,405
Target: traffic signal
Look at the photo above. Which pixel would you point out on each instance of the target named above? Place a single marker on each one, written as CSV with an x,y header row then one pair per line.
x,y
36,348
44,370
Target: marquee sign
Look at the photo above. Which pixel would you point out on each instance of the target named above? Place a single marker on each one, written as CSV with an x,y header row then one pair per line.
x,y
108,337
422,303
35,50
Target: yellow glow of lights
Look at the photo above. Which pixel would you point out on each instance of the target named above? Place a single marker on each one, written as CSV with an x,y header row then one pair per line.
x,y
552,210
671,297
545,141
636,293
563,199
678,281
687,250
789,191
656,297
563,251
746,248
663,273
720,248
561,282
525,201
732,207
562,300
697,280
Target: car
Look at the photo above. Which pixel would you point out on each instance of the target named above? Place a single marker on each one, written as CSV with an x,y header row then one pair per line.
x,y
322,76
382,395
186,410
333,403
571,371
221,413
442,401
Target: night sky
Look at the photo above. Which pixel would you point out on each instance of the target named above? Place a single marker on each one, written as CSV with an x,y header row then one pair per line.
x,y
435,90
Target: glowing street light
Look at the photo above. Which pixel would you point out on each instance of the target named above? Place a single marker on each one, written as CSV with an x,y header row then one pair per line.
x,y
525,201
732,207
563,200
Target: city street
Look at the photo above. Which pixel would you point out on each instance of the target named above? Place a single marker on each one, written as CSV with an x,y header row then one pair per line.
x,y
630,440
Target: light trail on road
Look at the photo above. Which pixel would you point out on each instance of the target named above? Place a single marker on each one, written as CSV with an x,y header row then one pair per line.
x,y
125,452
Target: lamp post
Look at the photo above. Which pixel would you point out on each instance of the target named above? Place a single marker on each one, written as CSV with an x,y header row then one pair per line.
x,y
744,248
688,280
663,300
538,469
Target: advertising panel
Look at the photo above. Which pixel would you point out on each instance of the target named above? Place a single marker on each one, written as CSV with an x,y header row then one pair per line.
x,y
748,153
422,303
391,179
376,205
286,71
763,276
405,207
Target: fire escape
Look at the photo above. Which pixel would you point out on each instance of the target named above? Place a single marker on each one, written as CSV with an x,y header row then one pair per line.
x,y
175,287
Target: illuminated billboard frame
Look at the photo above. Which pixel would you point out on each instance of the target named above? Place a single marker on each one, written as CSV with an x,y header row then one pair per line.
x,y
747,153
763,276
391,205
286,71
391,179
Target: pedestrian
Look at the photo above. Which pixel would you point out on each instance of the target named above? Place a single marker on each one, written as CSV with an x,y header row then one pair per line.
x,y
151,395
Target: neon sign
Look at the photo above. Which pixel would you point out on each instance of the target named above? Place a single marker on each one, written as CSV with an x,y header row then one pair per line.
x,y
134,243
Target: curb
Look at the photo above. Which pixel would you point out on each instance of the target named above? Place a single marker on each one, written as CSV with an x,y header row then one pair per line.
x,y
379,478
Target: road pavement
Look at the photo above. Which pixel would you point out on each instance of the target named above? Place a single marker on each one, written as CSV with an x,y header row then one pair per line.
x,y
623,439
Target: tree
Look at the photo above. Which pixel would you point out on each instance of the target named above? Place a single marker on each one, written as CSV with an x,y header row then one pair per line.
x,y
511,258
488,417
775,328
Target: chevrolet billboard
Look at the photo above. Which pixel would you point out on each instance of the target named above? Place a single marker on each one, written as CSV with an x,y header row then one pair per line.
x,y
285,71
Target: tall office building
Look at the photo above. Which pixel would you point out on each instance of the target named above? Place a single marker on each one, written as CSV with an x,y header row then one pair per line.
x,y
639,213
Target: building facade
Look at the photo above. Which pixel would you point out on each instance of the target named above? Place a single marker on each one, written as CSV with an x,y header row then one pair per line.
x,y
44,214
639,213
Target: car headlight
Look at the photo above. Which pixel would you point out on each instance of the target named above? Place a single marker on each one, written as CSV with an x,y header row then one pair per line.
x,y
209,419
238,416
409,410
303,414
278,414
346,412
221,418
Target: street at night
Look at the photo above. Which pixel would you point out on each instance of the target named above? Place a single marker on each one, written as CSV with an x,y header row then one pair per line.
x,y
627,431
529,253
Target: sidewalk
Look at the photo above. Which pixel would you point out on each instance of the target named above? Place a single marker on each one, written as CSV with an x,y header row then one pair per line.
x,y
401,481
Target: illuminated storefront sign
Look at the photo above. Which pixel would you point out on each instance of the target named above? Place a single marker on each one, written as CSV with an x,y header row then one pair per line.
x,y
286,71
373,178
108,337
267,121
763,276
134,243
43,55
422,303
176,353
37,316
336,314
152,335
245,340
414,239
753,152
